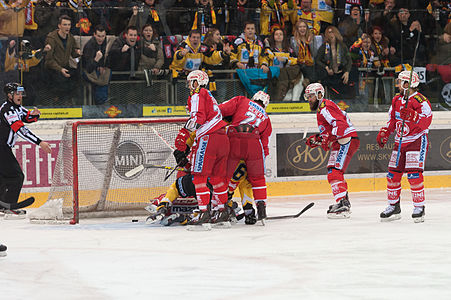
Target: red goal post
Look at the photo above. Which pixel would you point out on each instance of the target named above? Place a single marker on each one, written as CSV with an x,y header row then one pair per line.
x,y
92,177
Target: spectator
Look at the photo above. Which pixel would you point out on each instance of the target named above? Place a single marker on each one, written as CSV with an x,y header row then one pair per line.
x,y
215,47
443,54
93,62
63,77
152,52
25,61
333,62
325,11
380,46
381,16
241,12
304,12
12,18
120,14
188,57
362,57
46,15
247,49
204,17
403,35
382,50
125,53
80,12
279,54
271,16
147,13
343,9
180,16
352,26
304,45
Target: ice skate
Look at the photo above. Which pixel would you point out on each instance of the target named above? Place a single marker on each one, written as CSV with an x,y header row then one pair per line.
x,y
418,214
261,211
340,210
3,249
157,213
249,214
200,217
174,218
14,214
220,215
391,213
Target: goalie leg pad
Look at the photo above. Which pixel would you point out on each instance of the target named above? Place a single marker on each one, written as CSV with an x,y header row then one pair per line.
x,y
393,187
258,187
337,182
417,187
202,191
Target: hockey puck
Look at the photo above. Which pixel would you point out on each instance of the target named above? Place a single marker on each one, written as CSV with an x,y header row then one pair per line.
x,y
134,220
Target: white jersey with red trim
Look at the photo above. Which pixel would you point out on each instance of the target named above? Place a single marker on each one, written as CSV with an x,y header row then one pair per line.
x,y
205,115
12,119
334,121
412,130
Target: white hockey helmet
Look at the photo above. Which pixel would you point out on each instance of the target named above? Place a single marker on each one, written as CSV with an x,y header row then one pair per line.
x,y
404,76
261,96
314,88
197,75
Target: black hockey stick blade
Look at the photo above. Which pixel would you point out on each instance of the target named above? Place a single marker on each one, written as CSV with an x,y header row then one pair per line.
x,y
18,205
168,174
310,205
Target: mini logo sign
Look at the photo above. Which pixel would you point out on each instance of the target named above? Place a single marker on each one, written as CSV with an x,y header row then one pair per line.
x,y
129,155
113,111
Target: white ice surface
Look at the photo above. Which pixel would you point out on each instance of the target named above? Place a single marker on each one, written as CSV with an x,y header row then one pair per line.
x,y
306,258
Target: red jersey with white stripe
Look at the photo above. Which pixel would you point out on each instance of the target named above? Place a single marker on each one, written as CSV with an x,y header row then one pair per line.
x,y
412,131
205,116
334,121
246,111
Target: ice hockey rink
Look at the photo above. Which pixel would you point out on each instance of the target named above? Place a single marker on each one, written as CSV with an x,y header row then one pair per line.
x,y
310,257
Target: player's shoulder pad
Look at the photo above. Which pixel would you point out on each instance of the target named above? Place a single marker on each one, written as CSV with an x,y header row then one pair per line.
x,y
420,98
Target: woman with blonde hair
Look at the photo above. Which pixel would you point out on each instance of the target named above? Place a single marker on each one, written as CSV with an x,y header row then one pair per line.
x,y
333,62
303,43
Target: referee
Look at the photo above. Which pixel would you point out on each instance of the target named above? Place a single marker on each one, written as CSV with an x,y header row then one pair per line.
x,y
12,118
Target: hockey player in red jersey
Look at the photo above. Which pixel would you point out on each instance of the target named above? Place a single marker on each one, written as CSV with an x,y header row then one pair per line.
x,y
249,134
210,149
417,118
339,135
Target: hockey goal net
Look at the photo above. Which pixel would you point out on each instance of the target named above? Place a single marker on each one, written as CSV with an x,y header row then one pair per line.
x,y
93,175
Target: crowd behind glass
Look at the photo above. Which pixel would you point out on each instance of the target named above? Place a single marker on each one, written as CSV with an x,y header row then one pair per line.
x,y
61,47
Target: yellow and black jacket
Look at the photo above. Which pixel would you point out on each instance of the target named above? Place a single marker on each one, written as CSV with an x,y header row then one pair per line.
x,y
247,52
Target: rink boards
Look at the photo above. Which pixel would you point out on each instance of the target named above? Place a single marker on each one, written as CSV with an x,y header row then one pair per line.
x,y
291,168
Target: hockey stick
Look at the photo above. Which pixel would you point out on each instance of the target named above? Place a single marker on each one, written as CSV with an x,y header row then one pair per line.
x,y
139,168
310,205
406,98
18,205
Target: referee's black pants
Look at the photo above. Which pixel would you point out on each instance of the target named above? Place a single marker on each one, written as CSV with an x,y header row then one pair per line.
x,y
11,176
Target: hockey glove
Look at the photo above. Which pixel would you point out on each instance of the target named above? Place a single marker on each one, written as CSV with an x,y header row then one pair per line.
x,y
181,156
314,141
382,137
325,141
409,114
180,140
